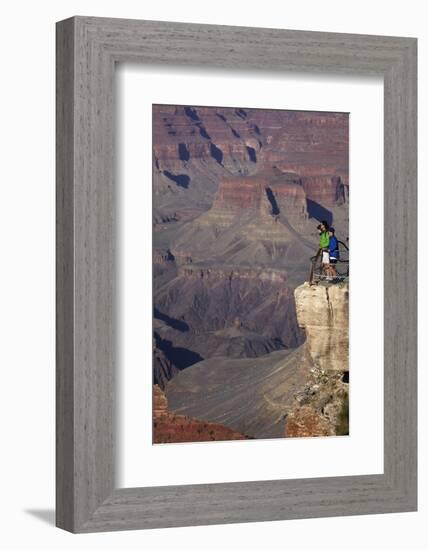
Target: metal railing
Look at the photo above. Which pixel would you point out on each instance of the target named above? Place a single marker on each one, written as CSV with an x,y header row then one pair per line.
x,y
332,273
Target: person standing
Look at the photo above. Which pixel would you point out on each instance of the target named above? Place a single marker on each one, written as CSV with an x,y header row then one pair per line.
x,y
333,249
324,244
322,251
324,236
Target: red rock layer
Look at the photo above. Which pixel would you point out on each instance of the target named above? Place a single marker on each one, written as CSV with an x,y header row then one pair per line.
x,y
322,189
264,193
173,428
233,151
307,422
306,138
239,192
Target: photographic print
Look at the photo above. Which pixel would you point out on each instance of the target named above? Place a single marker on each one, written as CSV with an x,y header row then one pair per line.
x,y
251,247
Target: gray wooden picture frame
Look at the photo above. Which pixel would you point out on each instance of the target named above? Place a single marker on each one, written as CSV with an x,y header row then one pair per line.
x,y
87,50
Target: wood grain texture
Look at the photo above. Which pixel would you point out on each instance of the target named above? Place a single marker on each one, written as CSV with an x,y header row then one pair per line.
x,y
64,277
87,49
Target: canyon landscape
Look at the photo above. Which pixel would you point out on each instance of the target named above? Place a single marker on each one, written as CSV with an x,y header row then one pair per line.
x,y
245,344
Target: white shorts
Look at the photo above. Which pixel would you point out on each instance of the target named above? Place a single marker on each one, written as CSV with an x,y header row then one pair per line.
x,y
325,257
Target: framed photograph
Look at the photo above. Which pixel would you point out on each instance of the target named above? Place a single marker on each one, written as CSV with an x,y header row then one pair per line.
x,y
250,276
236,274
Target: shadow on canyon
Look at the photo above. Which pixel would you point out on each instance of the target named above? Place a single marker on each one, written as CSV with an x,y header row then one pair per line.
x,y
319,212
179,356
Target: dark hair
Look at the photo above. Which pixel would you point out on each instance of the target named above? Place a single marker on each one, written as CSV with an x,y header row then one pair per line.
x,y
331,230
325,224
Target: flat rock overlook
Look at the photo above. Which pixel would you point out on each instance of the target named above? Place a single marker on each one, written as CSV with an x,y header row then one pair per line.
x,y
237,196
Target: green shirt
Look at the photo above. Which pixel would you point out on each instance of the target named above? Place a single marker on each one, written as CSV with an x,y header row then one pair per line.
x,y
324,240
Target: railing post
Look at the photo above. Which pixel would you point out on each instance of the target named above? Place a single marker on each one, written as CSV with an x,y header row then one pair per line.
x,y
313,262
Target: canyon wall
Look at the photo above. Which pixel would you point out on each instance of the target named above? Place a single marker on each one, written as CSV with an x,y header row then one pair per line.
x,y
321,407
322,310
237,196
196,147
285,393
241,312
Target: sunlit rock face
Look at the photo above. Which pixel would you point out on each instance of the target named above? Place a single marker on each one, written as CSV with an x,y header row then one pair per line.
x,y
323,312
321,407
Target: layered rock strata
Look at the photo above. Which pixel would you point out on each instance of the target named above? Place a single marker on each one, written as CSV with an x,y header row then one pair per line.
x,y
194,147
203,300
265,195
